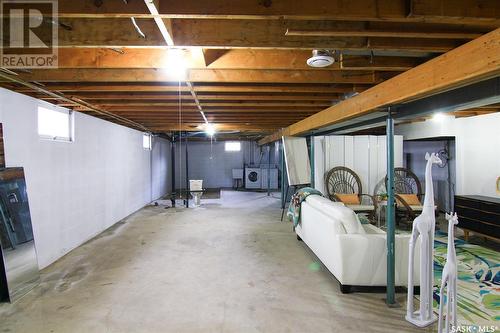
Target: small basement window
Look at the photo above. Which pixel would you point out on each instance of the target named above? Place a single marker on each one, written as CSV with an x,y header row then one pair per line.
x,y
146,141
55,124
233,146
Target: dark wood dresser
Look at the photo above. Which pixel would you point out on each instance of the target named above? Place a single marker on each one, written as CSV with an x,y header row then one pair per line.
x,y
478,214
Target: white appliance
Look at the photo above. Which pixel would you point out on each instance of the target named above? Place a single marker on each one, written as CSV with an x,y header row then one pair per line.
x,y
253,178
274,178
196,186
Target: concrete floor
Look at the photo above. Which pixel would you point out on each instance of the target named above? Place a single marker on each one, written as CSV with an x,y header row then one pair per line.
x,y
228,266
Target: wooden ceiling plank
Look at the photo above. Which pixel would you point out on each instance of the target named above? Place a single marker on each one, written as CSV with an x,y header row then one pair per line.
x,y
382,33
212,97
205,75
474,61
223,59
228,34
204,88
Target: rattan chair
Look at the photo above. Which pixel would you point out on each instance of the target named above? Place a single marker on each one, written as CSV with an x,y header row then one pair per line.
x,y
406,182
341,181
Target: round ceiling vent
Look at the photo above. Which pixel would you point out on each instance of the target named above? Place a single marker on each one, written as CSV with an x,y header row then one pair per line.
x,y
321,58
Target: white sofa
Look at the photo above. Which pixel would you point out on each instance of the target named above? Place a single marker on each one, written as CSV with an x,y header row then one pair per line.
x,y
354,253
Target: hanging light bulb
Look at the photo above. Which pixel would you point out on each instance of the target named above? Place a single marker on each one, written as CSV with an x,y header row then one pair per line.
x,y
210,129
176,64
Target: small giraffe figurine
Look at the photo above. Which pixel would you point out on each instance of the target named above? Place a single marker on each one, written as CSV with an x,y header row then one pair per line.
x,y
423,226
449,279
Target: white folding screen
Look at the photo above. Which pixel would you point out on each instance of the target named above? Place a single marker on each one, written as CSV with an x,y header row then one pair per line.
x,y
365,154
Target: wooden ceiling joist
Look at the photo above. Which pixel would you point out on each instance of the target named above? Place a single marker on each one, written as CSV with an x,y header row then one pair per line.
x,y
126,97
231,59
471,62
383,34
72,87
202,75
432,11
244,71
251,34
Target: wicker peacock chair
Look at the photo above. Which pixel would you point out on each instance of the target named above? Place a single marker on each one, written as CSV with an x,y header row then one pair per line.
x,y
408,193
344,185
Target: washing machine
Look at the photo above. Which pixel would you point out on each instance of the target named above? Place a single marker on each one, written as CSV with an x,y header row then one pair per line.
x,y
253,178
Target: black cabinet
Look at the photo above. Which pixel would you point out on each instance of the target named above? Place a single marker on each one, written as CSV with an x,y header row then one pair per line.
x,y
478,214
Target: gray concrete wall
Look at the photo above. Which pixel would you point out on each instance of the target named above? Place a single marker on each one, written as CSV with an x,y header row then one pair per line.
x,y
161,168
214,165
78,189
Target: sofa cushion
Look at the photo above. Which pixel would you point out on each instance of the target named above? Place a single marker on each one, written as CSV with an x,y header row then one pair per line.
x,y
339,212
350,220
321,202
348,199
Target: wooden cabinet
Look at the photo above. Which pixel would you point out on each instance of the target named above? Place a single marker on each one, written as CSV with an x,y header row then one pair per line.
x,y
478,214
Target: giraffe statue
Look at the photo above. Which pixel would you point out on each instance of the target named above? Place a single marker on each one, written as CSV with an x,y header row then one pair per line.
x,y
449,279
423,226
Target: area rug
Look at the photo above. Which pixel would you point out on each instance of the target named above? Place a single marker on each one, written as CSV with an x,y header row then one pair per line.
x,y
478,284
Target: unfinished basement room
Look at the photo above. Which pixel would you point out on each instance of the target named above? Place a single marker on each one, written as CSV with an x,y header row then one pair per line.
x,y
249,166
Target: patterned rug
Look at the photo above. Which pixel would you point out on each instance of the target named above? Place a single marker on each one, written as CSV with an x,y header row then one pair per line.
x,y
478,284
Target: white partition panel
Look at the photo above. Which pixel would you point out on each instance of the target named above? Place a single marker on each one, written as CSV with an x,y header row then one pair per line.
x,y
365,154
349,152
373,166
319,162
361,157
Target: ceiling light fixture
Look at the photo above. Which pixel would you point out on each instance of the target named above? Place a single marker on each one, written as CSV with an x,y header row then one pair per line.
x,y
438,117
210,129
176,64
321,58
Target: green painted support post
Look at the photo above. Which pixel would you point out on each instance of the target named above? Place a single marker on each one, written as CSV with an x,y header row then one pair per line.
x,y
269,170
311,157
390,212
282,153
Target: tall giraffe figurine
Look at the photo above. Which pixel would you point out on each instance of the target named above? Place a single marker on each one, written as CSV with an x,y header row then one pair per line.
x,y
423,226
449,279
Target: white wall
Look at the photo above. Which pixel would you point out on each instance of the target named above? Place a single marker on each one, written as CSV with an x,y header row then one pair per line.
x,y
476,143
76,190
364,154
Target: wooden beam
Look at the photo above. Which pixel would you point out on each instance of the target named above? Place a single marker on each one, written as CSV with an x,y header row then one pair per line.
x,y
163,24
474,61
195,75
242,109
210,97
199,88
220,127
271,34
432,11
211,55
224,34
235,104
381,33
221,59
446,11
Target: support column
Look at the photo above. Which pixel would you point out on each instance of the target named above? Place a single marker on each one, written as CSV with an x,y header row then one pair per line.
x,y
312,159
187,172
172,191
269,171
390,212
282,154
